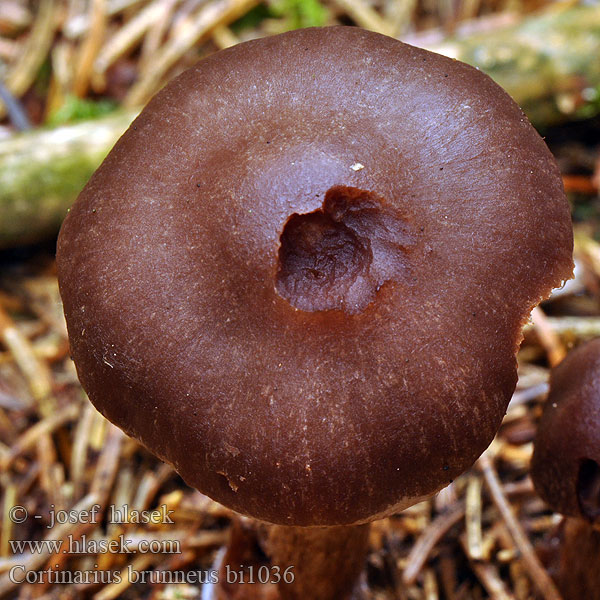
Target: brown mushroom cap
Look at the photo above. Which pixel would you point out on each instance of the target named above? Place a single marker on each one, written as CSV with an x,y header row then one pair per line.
x,y
565,467
300,276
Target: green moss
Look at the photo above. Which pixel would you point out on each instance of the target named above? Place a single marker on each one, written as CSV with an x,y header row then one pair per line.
x,y
38,200
295,14
77,109
252,19
300,13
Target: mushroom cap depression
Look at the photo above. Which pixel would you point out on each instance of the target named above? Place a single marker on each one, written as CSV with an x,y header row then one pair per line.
x,y
565,465
300,276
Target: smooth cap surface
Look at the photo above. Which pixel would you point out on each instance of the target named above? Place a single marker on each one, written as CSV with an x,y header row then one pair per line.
x,y
565,467
300,276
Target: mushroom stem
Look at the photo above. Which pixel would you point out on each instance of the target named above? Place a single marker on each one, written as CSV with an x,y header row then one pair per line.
x,y
327,560
309,563
577,571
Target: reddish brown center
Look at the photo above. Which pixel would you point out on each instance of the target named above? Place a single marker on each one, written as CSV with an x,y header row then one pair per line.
x,y
338,256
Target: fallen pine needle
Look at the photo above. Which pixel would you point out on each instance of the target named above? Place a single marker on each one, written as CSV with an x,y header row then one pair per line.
x,y
548,337
536,571
473,519
33,434
428,539
489,577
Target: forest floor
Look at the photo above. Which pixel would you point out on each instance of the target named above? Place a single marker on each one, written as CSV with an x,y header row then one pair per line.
x,y
478,538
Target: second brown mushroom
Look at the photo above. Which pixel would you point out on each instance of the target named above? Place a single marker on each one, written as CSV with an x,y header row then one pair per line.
x,y
565,469
300,277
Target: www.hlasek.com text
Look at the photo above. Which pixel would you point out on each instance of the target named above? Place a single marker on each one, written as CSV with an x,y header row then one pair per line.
x,y
84,545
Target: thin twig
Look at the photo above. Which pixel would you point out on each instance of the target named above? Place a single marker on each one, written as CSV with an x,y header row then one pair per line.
x,y
489,577
427,541
108,463
579,328
90,48
365,16
473,519
37,373
156,33
80,446
33,434
210,16
536,571
548,337
127,36
223,37
23,72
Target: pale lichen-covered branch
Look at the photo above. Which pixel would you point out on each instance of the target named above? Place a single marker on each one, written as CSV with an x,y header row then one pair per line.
x,y
41,173
547,62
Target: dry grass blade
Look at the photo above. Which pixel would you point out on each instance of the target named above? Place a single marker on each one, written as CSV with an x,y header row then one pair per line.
x,y
149,486
156,33
536,571
365,16
41,428
78,23
90,47
474,538
36,371
80,445
521,397
427,541
579,328
207,539
210,16
51,472
489,577
23,72
106,469
128,36
590,248
430,586
223,37
548,338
